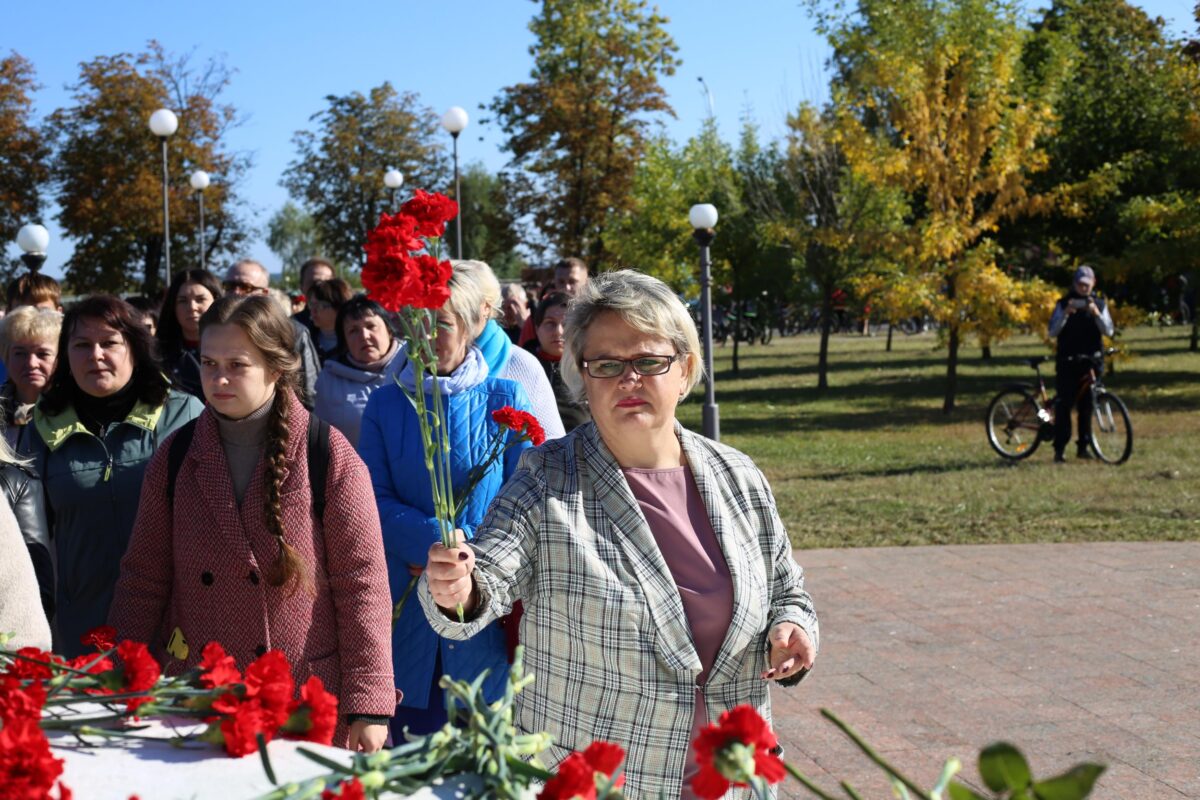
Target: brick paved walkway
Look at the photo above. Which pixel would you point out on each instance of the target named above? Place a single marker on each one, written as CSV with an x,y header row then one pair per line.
x,y
1072,652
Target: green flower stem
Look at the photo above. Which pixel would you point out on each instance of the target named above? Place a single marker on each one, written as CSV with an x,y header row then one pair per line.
x,y
848,789
808,783
871,754
399,607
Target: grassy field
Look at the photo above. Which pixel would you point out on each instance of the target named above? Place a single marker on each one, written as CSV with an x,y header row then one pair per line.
x,y
873,461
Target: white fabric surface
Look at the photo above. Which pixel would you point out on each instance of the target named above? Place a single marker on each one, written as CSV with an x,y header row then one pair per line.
x,y
114,769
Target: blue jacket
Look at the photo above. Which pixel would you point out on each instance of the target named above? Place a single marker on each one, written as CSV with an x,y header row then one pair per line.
x,y
93,486
390,445
342,392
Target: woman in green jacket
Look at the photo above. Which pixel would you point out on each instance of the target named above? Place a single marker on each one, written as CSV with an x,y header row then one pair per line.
x,y
106,410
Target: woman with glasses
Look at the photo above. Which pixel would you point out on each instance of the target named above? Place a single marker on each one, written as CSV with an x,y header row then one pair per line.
x,y
657,579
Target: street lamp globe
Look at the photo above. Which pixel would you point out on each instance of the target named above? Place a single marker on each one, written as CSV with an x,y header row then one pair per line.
x,y
393,179
33,238
199,180
164,123
455,120
703,216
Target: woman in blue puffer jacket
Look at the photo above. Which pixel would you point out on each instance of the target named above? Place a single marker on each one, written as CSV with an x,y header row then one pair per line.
x,y
390,445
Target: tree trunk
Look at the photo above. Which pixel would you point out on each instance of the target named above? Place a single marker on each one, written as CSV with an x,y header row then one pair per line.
x,y
951,371
1195,345
889,343
823,358
987,352
152,269
737,332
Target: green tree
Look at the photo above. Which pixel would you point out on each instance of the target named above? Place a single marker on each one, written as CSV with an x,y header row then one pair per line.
x,y
932,99
23,150
489,228
1125,147
577,130
107,170
293,237
337,174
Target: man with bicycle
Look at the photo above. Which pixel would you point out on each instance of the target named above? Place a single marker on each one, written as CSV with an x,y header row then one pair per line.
x,y
1080,321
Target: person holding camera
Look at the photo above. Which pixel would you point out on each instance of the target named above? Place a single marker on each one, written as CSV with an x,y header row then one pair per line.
x,y
1080,321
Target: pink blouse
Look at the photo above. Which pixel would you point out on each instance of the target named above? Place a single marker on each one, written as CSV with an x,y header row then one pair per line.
x,y
674,509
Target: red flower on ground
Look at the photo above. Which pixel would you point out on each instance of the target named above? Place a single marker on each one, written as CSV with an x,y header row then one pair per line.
x,y
33,664
733,751
576,777
431,210
18,701
269,680
520,422
27,768
141,671
350,790
103,637
314,715
217,668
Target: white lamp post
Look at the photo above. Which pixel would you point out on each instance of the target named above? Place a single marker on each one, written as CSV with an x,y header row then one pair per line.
x,y
455,121
163,124
199,182
33,239
703,218
393,179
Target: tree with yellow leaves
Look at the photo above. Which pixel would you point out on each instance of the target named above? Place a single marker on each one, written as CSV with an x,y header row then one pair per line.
x,y
931,98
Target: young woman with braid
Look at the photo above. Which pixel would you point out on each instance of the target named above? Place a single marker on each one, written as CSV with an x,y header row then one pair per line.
x,y
229,545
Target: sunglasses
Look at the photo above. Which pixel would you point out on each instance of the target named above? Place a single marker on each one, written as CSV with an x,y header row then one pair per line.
x,y
241,287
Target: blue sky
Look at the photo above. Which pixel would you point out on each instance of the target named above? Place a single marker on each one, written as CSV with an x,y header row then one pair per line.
x,y
760,56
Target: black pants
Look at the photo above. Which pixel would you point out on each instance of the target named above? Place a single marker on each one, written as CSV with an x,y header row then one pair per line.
x,y
1066,384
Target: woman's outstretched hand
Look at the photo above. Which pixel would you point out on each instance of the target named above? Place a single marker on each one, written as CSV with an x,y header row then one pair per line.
x,y
449,575
791,651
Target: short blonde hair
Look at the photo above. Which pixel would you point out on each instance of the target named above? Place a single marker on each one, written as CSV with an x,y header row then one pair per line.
x,y
474,293
28,323
645,304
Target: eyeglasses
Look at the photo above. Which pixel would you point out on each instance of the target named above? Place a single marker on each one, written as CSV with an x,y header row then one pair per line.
x,y
642,365
241,287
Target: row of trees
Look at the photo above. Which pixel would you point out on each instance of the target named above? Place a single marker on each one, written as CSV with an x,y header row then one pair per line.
x,y
967,160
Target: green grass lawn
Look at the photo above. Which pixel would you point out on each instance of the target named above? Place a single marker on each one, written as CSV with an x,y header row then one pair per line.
x,y
873,461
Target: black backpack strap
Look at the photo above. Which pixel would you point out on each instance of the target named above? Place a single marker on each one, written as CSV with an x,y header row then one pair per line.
x,y
176,454
318,463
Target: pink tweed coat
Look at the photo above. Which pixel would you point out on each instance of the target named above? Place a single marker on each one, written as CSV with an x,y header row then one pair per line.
x,y
198,568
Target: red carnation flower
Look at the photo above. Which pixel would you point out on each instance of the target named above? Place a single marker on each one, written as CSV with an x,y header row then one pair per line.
x,y
27,768
269,680
314,716
577,774
406,280
521,423
217,668
34,664
18,701
350,790
141,671
431,211
103,637
734,751
240,729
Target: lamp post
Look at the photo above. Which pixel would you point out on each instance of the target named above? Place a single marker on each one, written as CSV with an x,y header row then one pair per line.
x,y
33,239
163,124
455,121
703,218
199,182
393,179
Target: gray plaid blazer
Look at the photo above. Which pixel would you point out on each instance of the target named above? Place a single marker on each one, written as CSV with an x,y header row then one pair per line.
x,y
604,628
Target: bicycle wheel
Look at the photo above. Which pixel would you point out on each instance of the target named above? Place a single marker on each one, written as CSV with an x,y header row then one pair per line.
x,y
1013,424
1112,433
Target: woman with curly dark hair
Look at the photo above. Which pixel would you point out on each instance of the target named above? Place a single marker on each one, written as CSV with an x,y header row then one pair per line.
x,y
235,541
106,410
191,292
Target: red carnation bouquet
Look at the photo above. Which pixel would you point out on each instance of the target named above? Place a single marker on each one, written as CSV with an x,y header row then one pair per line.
x,y
100,694
405,275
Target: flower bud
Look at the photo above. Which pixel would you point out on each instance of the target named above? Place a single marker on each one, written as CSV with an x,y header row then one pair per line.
x,y
372,780
735,761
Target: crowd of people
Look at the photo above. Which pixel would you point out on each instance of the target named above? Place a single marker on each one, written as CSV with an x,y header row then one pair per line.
x,y
225,467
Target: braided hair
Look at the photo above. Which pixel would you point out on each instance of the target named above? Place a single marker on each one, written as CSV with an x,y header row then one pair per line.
x,y
272,334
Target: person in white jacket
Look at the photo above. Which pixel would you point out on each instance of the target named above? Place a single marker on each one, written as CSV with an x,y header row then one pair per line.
x,y
21,614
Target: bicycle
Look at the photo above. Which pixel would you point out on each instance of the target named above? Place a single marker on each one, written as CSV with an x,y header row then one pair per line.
x,y
1021,416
